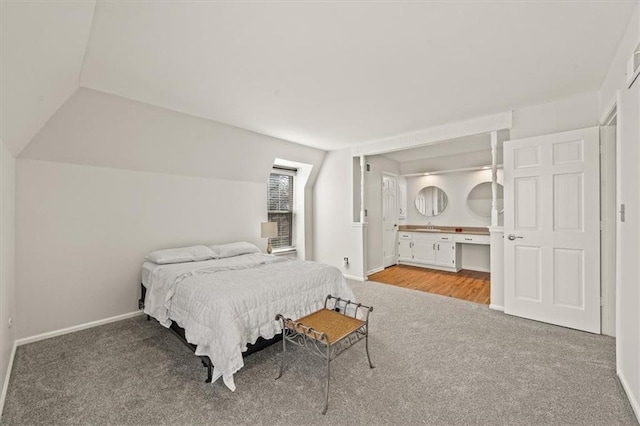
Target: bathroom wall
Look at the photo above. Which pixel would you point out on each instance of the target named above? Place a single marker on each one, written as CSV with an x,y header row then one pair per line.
x,y
457,186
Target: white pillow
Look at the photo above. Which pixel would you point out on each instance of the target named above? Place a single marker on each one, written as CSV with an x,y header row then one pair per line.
x,y
179,255
234,249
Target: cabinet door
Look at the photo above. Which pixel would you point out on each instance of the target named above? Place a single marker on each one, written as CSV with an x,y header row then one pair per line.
x,y
446,254
404,250
424,252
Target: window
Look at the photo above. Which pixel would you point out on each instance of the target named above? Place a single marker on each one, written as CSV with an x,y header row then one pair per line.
x,y
280,206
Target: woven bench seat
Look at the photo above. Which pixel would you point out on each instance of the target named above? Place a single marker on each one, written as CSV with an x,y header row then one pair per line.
x,y
333,324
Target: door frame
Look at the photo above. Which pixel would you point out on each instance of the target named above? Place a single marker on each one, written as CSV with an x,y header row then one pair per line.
x,y
395,210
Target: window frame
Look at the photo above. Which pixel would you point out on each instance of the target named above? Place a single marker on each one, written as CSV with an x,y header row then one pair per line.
x,y
290,243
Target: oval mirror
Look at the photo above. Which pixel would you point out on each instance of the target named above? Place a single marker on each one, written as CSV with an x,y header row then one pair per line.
x,y
431,201
479,199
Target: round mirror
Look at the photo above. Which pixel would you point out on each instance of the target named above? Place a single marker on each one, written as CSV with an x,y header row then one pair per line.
x,y
431,201
479,199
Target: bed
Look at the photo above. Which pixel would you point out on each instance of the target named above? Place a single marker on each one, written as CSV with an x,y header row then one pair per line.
x,y
226,304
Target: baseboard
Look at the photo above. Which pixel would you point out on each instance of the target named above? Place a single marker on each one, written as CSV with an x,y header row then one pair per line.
x,y
635,404
5,385
376,270
496,307
476,268
75,328
353,277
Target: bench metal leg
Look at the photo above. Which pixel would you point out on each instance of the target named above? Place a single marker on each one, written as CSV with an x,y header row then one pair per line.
x,y
326,398
366,345
284,353
207,363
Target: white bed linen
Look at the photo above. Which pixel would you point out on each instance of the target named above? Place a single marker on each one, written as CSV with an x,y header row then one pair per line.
x,y
147,269
225,304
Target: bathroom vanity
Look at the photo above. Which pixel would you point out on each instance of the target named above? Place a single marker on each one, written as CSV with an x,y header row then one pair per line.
x,y
437,248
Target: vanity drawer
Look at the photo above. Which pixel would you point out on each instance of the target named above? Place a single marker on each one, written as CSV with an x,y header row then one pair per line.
x,y
445,237
404,236
473,239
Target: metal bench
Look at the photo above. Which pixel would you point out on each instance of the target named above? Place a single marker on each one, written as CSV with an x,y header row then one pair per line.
x,y
328,332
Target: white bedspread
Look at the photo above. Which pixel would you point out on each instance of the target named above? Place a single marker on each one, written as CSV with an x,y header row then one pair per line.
x,y
225,304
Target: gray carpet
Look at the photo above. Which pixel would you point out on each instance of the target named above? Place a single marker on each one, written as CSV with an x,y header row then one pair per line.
x,y
439,361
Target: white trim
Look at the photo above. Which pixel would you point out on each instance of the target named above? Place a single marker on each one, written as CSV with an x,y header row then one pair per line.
x,y
359,224
441,172
635,404
353,277
435,134
608,113
75,328
5,386
496,307
611,115
373,271
284,251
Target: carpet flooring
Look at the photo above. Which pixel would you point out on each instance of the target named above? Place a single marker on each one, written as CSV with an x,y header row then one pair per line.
x,y
438,361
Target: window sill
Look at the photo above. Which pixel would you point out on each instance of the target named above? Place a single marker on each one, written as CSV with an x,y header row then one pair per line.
x,y
283,251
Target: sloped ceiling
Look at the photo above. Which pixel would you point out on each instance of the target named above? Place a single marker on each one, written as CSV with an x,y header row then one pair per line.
x,y
98,129
42,46
325,74
334,74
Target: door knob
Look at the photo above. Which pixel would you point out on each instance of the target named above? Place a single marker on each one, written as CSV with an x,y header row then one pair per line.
x,y
512,237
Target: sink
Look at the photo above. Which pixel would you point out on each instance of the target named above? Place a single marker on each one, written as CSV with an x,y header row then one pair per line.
x,y
427,229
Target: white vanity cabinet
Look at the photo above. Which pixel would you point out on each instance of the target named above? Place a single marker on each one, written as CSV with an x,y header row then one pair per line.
x,y
433,250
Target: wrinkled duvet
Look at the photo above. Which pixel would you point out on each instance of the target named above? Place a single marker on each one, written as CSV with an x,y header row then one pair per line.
x,y
225,304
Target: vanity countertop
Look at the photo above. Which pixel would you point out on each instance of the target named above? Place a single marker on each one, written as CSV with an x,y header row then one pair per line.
x,y
445,229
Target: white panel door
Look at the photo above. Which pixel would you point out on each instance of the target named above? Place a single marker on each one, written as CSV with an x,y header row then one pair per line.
x,y
628,239
552,229
389,220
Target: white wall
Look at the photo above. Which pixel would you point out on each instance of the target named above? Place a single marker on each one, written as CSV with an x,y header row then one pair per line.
x,y
108,180
457,186
98,129
616,77
335,235
7,262
373,203
576,112
627,315
451,162
42,46
83,231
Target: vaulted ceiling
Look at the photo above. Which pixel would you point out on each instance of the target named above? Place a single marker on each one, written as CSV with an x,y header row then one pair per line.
x,y
325,74
42,45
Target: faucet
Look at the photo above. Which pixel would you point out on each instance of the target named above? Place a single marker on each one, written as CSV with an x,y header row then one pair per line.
x,y
429,225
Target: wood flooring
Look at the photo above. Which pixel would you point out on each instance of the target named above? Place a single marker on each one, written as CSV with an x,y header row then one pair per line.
x,y
468,285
